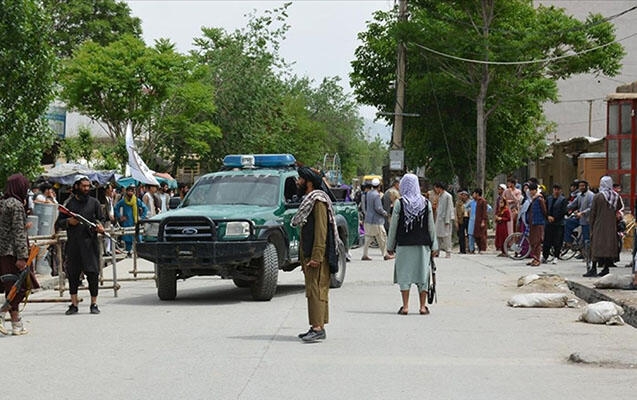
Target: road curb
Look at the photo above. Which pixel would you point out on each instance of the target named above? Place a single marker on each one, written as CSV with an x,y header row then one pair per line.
x,y
591,295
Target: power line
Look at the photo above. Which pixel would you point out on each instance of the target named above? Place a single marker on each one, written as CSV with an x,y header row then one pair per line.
x,y
544,60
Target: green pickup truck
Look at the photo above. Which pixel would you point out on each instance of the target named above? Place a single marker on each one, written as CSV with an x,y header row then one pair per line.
x,y
235,224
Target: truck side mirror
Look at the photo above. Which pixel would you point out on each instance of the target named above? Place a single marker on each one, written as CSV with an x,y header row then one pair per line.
x,y
174,202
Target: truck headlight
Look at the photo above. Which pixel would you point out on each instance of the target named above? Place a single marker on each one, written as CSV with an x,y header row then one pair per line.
x,y
237,230
151,231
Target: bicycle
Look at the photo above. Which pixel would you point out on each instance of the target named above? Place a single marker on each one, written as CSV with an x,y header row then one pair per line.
x,y
569,250
517,245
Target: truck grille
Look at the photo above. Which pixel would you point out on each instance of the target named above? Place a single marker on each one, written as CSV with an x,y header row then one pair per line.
x,y
190,229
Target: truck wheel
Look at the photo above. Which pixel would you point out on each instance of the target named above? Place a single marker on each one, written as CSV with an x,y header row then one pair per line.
x,y
166,284
337,279
241,283
264,287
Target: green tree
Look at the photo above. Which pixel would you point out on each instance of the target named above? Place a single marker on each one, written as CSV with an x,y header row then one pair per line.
x,y
111,155
336,127
121,82
184,125
504,99
262,108
77,21
80,146
26,68
249,93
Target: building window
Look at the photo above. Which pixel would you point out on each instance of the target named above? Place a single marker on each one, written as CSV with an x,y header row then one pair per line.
x,y
613,119
627,111
625,154
612,154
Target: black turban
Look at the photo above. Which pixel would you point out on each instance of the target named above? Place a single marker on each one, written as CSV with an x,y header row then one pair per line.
x,y
308,174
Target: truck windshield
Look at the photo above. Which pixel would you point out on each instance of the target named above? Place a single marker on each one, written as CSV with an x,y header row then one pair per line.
x,y
258,190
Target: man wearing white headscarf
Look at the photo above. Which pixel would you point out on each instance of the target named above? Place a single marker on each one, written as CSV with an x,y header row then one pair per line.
x,y
605,211
412,236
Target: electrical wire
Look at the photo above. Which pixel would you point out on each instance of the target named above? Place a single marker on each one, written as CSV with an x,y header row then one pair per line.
x,y
544,60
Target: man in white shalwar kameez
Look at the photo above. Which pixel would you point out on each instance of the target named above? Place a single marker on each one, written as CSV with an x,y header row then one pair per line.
x,y
444,218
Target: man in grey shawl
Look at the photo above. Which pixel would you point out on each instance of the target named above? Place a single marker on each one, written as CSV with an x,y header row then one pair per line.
x,y
318,249
412,235
606,209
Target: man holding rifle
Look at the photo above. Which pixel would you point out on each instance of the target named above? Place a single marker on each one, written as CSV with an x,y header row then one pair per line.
x,y
82,246
14,249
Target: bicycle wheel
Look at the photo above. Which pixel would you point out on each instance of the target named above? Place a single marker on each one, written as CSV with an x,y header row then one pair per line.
x,y
568,252
517,246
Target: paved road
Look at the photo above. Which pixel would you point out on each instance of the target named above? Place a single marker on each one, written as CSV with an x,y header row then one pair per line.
x,y
214,342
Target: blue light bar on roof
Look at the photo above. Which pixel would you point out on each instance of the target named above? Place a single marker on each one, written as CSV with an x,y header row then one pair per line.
x,y
259,160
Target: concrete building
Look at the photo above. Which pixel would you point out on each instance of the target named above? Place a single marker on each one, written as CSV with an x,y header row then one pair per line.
x,y
581,111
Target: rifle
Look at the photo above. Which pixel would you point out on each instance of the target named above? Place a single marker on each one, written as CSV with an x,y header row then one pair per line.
x,y
19,280
80,218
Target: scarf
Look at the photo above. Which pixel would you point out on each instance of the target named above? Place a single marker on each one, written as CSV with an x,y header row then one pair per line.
x,y
306,207
413,201
133,204
606,188
17,187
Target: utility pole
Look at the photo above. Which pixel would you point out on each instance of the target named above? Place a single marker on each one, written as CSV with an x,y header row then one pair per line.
x,y
396,152
397,134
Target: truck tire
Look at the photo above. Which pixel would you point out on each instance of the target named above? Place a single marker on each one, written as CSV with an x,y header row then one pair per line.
x,y
241,283
264,287
337,279
166,284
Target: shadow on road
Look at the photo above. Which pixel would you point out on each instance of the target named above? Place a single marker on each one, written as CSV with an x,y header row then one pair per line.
x,y
267,338
208,295
379,312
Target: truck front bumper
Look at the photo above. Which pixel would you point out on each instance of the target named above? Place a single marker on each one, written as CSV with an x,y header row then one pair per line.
x,y
201,254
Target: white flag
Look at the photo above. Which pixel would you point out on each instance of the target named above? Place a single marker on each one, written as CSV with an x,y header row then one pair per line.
x,y
138,168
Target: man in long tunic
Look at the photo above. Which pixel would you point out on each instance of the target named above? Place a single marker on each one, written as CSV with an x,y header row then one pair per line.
x,y
374,224
603,223
128,210
82,246
317,222
513,196
444,218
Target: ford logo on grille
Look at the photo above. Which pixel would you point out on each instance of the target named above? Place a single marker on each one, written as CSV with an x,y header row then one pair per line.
x,y
189,231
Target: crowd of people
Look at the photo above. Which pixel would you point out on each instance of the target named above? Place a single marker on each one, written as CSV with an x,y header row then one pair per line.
x,y
89,209
408,224
547,218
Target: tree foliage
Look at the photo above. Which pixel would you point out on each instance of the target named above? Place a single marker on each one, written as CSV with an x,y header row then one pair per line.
x,y
156,89
233,94
262,108
100,21
248,90
184,125
26,65
80,146
456,98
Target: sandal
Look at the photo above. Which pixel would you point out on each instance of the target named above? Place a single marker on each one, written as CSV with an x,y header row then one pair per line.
x,y
535,264
401,311
425,311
